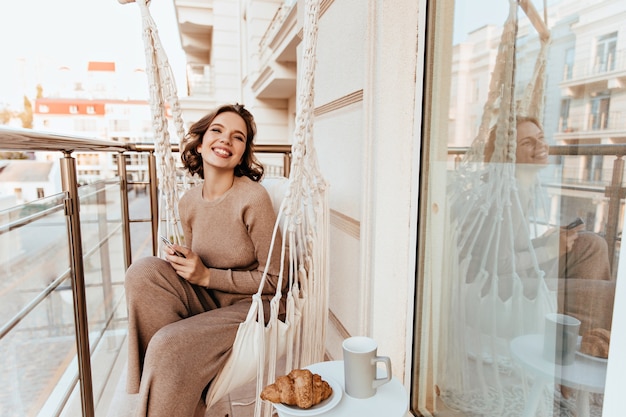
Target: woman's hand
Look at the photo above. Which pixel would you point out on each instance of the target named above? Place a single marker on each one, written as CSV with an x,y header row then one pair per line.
x,y
558,241
190,267
567,237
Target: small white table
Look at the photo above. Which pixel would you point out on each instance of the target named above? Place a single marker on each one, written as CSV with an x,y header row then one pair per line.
x,y
585,374
391,399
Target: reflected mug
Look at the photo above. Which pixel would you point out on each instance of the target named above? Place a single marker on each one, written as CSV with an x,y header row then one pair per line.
x,y
560,338
359,361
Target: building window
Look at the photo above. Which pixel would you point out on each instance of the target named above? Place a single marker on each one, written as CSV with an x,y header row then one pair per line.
x,y
85,125
599,112
91,110
43,108
40,193
564,115
605,53
118,125
475,94
593,168
569,64
73,109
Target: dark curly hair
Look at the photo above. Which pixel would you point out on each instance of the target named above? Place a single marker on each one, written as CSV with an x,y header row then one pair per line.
x,y
192,160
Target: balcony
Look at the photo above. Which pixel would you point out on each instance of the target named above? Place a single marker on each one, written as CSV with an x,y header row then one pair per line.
x,y
195,24
63,314
276,75
583,77
594,128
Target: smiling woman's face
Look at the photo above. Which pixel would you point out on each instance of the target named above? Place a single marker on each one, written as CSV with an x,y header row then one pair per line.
x,y
531,146
224,142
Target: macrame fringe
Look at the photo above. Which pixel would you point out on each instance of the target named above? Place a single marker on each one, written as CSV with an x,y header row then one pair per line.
x,y
163,93
304,216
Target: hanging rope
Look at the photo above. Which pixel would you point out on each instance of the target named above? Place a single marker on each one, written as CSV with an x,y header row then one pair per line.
x,y
304,216
309,187
162,93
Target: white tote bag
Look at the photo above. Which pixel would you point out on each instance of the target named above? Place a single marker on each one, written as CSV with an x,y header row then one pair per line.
x,y
253,342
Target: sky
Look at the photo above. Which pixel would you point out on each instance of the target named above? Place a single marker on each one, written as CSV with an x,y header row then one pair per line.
x,y
73,32
38,34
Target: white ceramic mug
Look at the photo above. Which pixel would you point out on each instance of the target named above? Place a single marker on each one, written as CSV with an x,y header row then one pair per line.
x,y
560,338
359,362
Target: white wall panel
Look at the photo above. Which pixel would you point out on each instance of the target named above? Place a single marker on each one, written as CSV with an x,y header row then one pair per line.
x,y
339,139
340,51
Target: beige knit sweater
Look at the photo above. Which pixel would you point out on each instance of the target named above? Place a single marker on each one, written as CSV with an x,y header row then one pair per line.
x,y
232,236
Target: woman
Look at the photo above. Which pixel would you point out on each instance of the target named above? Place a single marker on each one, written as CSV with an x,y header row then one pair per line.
x,y
575,261
565,252
184,311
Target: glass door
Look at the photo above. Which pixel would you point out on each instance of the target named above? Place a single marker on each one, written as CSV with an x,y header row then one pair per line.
x,y
519,245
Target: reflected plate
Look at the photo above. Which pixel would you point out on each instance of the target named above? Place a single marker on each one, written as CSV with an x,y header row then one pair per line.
x,y
320,408
592,358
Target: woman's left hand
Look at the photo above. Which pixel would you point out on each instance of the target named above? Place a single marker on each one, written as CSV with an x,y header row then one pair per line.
x,y
190,267
568,237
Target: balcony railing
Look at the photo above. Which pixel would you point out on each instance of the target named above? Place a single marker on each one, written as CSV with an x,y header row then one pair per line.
x,y
611,121
584,68
274,26
200,80
63,262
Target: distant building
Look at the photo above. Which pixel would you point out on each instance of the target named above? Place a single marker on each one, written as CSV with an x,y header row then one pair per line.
x,y
102,104
27,180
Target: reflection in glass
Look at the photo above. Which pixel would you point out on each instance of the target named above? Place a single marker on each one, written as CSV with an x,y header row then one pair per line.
x,y
507,255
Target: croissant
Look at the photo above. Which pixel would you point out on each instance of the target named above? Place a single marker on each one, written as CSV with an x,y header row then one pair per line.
x,y
300,387
596,343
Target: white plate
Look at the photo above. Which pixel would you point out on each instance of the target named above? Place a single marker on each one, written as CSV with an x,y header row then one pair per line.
x,y
590,357
320,408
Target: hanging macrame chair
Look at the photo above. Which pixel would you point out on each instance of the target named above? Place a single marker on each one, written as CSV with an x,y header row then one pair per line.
x,y
483,302
302,217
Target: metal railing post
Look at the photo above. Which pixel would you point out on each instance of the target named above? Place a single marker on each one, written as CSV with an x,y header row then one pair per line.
x,y
154,201
286,164
615,192
72,212
121,170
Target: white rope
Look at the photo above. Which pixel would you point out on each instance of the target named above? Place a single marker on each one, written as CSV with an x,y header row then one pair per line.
x,y
311,186
304,218
305,222
162,93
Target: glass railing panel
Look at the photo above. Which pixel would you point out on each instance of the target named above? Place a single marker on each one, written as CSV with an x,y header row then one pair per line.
x,y
36,315
103,252
34,253
36,356
140,226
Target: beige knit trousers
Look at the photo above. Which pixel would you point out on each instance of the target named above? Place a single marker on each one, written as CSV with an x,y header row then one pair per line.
x,y
178,338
